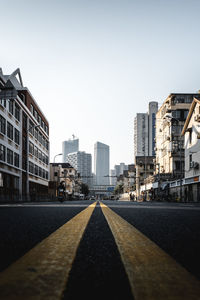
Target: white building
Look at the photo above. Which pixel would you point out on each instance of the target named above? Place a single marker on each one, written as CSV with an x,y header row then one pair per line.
x,y
82,162
69,146
101,163
191,132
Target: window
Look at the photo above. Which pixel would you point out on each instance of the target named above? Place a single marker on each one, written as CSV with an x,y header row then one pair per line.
x,y
2,125
40,155
36,152
190,160
36,134
17,112
11,106
16,136
31,127
9,131
36,170
40,172
47,175
190,136
31,167
31,108
2,152
31,148
16,160
177,165
9,156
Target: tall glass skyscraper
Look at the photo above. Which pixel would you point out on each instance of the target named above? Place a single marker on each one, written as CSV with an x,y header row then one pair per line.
x,y
101,163
70,146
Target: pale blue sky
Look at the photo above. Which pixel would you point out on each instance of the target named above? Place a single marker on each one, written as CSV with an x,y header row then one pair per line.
x,y
92,65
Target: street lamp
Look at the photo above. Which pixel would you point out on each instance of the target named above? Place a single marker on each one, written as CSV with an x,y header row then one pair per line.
x,y
54,172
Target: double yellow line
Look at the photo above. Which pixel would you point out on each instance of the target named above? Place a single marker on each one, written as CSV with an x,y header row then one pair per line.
x,y
43,272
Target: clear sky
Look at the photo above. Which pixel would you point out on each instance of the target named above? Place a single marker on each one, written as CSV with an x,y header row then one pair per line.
x,y
93,64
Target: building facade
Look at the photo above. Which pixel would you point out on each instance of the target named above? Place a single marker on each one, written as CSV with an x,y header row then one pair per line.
x,y
101,163
144,131
170,120
69,146
24,142
82,162
191,133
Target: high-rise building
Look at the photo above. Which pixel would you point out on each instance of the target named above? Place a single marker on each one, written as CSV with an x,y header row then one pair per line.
x,y
153,108
24,141
82,162
144,131
101,163
70,146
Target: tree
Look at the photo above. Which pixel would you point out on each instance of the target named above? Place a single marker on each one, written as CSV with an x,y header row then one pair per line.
x,y
84,189
118,189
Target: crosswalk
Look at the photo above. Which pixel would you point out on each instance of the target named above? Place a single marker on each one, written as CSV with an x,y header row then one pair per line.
x,y
43,272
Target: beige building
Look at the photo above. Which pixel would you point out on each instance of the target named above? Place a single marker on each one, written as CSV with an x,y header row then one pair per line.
x,y
170,120
64,172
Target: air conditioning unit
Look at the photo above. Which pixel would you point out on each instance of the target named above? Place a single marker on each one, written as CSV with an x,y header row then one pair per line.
x,y
197,118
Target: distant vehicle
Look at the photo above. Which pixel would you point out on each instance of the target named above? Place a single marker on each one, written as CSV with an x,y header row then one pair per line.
x,y
61,195
81,196
92,198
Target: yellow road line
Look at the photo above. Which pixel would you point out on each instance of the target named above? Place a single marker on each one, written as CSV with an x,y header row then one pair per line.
x,y
42,272
152,273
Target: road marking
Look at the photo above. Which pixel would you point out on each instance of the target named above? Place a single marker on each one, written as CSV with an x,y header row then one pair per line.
x,y
152,273
42,273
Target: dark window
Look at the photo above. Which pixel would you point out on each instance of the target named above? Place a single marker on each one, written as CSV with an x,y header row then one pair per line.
x,y
17,112
2,152
47,175
40,172
36,170
2,125
11,106
9,131
16,136
31,167
177,165
190,136
16,160
9,156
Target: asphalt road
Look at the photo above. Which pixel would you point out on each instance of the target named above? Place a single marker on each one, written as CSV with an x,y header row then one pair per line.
x,y
98,271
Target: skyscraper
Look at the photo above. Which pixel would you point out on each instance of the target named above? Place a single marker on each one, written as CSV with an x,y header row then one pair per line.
x,y
70,146
101,163
82,162
144,131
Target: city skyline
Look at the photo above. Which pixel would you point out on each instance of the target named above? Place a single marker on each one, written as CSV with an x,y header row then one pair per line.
x,y
93,65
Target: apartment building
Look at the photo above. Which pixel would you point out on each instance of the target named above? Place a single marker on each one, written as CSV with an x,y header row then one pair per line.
x,y
24,142
170,120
